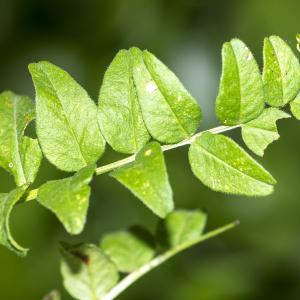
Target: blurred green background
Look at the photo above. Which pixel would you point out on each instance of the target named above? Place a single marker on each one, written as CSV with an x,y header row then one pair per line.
x,y
258,260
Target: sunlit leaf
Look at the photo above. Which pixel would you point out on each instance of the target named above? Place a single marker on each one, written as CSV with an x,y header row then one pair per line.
x,y
241,96
147,178
295,107
67,123
281,73
68,198
224,166
262,131
19,155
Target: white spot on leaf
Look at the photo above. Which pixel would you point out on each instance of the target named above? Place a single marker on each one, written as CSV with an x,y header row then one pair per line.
x,y
151,87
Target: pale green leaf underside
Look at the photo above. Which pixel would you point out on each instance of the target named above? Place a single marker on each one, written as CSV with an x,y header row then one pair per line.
x,y
19,155
129,249
120,117
88,274
68,198
241,96
7,202
67,123
181,226
170,113
147,178
295,107
262,131
281,73
224,166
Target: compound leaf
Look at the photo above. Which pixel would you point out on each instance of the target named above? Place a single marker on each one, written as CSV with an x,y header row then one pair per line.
x,y
7,202
68,198
19,155
67,125
295,107
120,117
224,166
170,113
241,96
262,131
181,226
88,274
129,249
281,73
147,178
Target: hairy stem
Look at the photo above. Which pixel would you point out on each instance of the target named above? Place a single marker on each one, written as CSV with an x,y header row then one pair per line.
x,y
31,195
158,260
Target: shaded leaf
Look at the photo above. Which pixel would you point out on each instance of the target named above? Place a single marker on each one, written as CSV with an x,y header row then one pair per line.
x,y
295,107
170,113
120,117
181,226
241,96
19,155
281,73
262,131
68,198
224,166
147,178
88,274
67,125
7,202
129,249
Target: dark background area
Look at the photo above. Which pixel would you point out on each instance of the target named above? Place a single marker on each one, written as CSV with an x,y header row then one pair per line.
x,y
258,260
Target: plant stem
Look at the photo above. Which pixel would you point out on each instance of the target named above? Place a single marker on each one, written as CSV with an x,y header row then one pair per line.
x,y
31,195
158,260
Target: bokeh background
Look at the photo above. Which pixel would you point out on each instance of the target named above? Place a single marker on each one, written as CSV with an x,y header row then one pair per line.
x,y
258,260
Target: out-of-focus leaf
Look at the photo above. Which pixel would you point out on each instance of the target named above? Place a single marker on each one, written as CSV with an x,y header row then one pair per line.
x,y
68,198
7,202
170,113
295,107
120,117
88,274
147,178
281,73
53,295
224,166
129,249
67,121
262,131
241,96
19,155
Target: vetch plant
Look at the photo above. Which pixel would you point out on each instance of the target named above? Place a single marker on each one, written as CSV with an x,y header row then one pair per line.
x,y
143,110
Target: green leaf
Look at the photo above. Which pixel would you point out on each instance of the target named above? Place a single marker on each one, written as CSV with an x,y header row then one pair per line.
x,y
7,202
53,295
281,73
295,107
129,249
120,117
170,113
181,226
224,166
88,274
19,155
68,198
262,131
241,96
147,178
67,125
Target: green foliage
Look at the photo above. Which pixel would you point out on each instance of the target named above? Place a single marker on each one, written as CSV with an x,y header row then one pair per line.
x,y
147,178
19,155
129,249
69,198
281,74
87,272
295,107
7,202
231,170
241,97
262,131
66,119
53,295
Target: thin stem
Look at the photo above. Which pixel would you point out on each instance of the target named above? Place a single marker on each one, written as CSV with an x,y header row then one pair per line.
x,y
158,260
109,167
